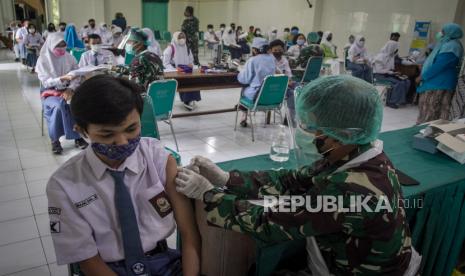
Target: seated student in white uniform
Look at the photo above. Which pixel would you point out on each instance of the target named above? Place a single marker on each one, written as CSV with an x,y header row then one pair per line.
x,y
113,206
177,53
96,55
210,37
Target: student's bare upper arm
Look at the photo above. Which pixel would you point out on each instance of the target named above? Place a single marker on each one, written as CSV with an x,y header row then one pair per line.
x,y
182,207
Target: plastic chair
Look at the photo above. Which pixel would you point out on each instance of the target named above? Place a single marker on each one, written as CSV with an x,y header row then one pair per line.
x,y
77,53
167,37
149,127
128,58
270,98
162,93
312,71
157,35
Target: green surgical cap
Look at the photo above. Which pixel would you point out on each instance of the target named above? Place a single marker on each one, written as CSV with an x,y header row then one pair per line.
x,y
342,107
313,37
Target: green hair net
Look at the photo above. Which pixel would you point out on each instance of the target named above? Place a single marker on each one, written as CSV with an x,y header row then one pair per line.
x,y
137,34
342,107
313,37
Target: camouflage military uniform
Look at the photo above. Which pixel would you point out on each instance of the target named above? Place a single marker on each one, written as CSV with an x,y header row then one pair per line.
x,y
357,243
190,27
145,68
312,50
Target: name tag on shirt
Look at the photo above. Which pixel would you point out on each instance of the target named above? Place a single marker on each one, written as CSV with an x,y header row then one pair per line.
x,y
86,201
161,204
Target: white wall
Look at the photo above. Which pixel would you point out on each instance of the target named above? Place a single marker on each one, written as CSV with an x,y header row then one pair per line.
x,y
79,12
259,13
376,19
6,14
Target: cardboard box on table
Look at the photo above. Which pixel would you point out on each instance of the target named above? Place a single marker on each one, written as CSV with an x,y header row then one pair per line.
x,y
451,140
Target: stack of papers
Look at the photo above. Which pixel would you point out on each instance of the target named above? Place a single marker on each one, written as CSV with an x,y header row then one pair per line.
x,y
88,69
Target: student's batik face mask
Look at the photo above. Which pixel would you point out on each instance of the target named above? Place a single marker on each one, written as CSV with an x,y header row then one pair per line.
x,y
117,152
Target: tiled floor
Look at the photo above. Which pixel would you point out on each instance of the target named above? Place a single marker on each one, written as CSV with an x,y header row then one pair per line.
x,y
26,162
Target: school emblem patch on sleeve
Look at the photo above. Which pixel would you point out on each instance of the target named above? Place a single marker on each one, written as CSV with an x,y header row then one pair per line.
x,y
161,204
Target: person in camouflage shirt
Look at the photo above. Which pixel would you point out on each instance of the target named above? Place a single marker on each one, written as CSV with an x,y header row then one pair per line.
x,y
299,65
351,242
190,27
146,66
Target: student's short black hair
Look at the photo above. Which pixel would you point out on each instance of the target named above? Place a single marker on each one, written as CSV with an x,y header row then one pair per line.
x,y
94,36
395,34
286,29
222,25
276,42
62,24
31,25
105,100
210,26
190,10
90,20
294,28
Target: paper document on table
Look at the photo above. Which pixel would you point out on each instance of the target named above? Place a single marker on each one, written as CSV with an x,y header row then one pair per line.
x,y
87,69
169,70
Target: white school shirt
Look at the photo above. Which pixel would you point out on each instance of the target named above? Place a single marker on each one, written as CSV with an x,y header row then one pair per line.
x,y
33,40
103,57
21,34
283,66
210,37
83,219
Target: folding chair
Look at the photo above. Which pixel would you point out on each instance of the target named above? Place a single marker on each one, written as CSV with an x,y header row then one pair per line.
x,y
270,98
167,37
149,127
162,93
312,71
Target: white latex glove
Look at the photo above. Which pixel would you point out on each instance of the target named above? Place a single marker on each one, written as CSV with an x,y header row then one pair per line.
x,y
191,184
210,170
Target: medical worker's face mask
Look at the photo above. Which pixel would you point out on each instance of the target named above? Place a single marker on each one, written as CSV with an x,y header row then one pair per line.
x,y
59,51
129,48
182,41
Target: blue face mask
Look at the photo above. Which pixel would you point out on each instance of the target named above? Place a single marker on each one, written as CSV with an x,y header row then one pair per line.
x,y
295,32
117,152
300,42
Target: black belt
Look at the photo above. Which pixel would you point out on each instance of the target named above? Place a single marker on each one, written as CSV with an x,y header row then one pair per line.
x,y
161,247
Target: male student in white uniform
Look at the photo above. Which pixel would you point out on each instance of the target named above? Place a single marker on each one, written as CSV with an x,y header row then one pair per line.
x,y
96,55
20,37
113,205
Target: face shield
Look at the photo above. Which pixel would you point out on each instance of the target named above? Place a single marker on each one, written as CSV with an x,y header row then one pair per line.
x,y
303,142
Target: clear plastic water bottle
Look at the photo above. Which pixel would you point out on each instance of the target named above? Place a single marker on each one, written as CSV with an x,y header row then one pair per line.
x,y
280,146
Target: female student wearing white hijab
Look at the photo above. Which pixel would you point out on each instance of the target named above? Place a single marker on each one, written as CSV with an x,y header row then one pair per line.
x,y
358,61
177,54
328,47
52,69
383,67
153,46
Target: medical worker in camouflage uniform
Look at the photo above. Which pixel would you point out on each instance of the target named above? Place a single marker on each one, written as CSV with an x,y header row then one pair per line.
x,y
190,27
340,118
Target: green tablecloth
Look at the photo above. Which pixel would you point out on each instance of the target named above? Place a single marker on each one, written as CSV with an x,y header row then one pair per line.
x,y
438,228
